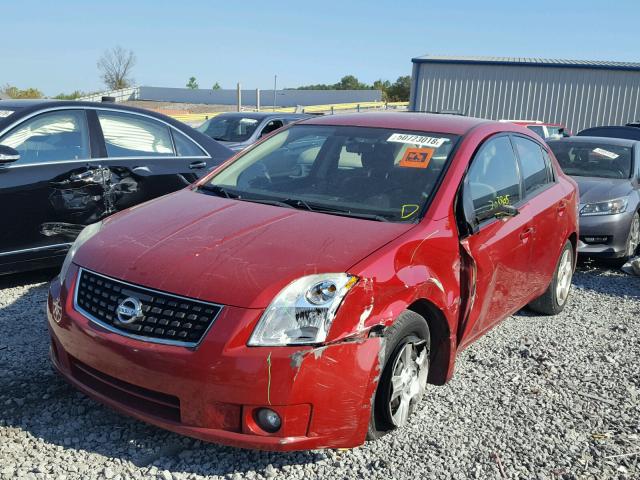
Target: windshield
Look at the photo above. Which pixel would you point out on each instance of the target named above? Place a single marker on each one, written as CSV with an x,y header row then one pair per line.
x,y
229,129
374,173
582,159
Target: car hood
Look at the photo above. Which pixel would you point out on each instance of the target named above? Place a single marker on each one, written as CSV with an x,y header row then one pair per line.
x,y
593,189
227,251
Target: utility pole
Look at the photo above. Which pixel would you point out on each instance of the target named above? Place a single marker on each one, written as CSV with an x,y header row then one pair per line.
x,y
257,99
275,87
239,97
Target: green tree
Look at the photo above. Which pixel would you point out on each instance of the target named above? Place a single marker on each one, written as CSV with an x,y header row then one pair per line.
x,y
192,83
399,91
115,67
15,92
70,96
384,86
350,82
216,86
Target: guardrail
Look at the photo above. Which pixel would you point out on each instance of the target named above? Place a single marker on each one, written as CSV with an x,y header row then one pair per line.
x,y
329,109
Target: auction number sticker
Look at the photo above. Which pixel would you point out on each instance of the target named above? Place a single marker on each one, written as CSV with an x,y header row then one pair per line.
x,y
416,157
419,140
606,153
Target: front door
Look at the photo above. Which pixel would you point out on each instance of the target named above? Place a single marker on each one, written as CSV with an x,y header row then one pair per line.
x,y
52,146
500,250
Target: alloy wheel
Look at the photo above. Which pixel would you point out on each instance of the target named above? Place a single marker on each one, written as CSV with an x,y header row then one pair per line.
x,y
408,381
565,273
634,237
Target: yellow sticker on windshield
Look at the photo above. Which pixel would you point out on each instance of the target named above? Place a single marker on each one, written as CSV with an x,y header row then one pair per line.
x,y
416,158
409,210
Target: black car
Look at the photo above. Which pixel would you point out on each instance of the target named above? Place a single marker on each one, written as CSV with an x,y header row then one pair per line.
x,y
630,131
66,164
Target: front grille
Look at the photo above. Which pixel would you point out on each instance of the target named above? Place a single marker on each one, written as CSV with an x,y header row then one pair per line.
x,y
146,401
164,318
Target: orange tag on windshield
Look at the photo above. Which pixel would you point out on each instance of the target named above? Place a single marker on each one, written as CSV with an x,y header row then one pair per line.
x,y
416,157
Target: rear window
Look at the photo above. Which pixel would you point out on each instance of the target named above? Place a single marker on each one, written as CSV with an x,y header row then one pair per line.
x,y
593,159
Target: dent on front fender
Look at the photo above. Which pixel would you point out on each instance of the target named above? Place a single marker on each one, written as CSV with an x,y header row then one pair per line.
x,y
343,377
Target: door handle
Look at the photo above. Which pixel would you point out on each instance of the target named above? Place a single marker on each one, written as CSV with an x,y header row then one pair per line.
x,y
197,165
562,207
526,233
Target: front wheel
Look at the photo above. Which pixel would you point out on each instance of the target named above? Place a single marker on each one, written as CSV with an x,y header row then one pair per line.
x,y
404,375
554,299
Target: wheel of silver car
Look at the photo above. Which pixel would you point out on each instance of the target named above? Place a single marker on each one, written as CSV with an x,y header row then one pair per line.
x,y
634,236
564,275
404,374
408,381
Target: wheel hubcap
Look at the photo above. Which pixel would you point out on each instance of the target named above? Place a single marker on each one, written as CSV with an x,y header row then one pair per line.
x,y
408,381
565,272
634,237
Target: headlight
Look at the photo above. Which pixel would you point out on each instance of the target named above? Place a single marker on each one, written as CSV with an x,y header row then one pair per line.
x,y
86,233
619,205
303,311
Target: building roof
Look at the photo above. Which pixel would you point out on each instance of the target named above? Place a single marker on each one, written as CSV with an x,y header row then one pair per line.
x,y
529,62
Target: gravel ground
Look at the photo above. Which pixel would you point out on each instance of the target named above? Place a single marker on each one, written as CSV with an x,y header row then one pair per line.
x,y
537,398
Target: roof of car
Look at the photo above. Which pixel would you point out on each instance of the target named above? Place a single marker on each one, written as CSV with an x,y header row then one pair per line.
x,y
623,142
427,122
262,115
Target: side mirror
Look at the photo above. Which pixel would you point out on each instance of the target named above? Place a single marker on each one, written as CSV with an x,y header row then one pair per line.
x,y
8,154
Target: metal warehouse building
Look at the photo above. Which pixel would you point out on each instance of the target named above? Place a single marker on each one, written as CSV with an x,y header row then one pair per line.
x,y
578,94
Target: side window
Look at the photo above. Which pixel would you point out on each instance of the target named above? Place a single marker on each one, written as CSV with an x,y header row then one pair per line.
x,y
537,129
535,170
130,135
49,137
186,147
493,178
272,126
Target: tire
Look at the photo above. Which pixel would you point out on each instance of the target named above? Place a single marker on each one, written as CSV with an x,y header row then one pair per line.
x,y
631,245
407,338
554,299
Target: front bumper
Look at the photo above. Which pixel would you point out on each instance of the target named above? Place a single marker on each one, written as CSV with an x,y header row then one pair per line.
x,y
322,394
614,227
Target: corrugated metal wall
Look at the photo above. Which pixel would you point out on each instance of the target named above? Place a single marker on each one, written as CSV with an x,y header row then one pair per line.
x,y
576,97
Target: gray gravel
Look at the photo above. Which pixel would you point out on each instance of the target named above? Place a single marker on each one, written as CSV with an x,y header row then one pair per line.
x,y
537,398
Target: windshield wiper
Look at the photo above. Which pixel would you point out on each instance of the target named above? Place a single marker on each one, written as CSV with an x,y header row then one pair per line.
x,y
299,203
218,190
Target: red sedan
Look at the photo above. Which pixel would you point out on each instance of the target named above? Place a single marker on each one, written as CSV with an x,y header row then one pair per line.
x,y
303,294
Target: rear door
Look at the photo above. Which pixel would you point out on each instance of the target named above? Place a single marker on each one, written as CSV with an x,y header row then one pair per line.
x,y
545,198
53,145
501,248
146,156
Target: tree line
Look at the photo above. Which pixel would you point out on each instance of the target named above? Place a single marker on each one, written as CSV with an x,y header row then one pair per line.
x,y
397,91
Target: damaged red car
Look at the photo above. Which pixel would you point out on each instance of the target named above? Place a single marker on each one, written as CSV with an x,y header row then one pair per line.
x,y
305,292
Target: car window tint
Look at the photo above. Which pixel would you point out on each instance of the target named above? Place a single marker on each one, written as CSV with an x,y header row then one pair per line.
x,y
535,170
272,126
493,177
48,137
186,147
537,129
130,135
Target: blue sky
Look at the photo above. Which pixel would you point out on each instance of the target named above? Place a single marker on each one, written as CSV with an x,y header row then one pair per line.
x,y
54,45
